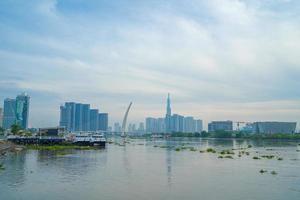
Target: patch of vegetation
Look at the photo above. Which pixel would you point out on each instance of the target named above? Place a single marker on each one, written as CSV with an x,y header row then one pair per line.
x,y
249,146
177,149
228,156
268,156
274,173
2,167
280,158
220,157
59,147
256,158
202,151
262,171
210,150
227,152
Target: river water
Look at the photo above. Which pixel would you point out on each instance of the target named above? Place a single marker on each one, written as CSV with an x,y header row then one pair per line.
x,y
153,169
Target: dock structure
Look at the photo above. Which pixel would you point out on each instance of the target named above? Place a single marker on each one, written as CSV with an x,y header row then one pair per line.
x,y
36,140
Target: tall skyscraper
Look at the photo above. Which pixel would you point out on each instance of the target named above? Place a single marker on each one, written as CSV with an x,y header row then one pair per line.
x,y
67,116
103,121
9,113
78,117
189,125
22,110
1,117
16,111
117,127
199,126
168,115
94,119
177,123
141,128
85,117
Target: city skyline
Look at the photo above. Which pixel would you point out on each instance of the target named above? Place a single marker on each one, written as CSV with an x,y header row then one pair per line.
x,y
235,60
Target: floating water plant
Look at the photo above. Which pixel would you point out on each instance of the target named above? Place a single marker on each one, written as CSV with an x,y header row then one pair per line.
x,y
280,158
202,151
262,171
268,156
220,156
256,158
228,156
177,149
249,146
155,146
210,150
226,152
2,167
273,173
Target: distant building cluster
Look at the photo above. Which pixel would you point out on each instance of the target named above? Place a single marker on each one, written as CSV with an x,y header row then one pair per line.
x,y
173,123
274,127
131,129
80,117
15,111
255,127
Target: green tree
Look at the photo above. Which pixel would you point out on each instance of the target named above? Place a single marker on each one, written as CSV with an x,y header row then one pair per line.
x,y
15,129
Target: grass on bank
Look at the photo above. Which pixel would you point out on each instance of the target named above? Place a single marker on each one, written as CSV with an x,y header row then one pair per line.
x,y
59,147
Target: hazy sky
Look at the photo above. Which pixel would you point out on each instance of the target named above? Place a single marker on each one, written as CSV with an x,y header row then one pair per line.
x,y
219,59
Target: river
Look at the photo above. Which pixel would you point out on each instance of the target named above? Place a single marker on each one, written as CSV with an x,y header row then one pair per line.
x,y
153,169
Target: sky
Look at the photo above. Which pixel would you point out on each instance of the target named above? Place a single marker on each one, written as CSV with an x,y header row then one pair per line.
x,y
219,59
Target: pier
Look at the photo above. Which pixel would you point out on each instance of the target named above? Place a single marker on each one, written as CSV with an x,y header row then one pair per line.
x,y
36,140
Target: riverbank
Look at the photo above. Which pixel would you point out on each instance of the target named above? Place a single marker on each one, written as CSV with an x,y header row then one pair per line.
x,y
6,146
60,147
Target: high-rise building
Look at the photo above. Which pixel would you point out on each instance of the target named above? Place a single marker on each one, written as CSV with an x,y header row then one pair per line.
x,y
67,116
117,127
78,117
189,125
220,126
22,110
94,119
168,116
9,113
16,111
141,128
177,123
85,117
199,126
274,127
1,117
103,121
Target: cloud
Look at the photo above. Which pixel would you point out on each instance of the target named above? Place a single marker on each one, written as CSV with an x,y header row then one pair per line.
x,y
206,53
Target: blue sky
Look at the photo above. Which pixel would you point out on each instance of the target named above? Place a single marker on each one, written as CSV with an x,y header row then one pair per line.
x,y
219,59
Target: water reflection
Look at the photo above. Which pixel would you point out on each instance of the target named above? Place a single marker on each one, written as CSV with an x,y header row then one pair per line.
x,y
169,163
144,172
14,173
